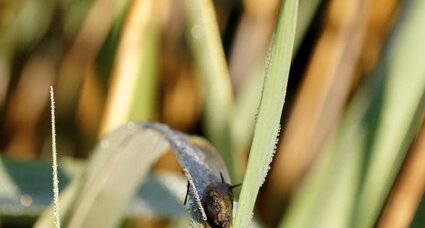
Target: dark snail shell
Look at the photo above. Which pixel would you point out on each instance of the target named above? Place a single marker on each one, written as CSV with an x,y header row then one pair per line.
x,y
218,204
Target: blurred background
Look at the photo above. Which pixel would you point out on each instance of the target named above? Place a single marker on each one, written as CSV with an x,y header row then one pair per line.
x,y
111,61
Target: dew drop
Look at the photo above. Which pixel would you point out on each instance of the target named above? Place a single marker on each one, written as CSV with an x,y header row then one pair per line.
x,y
25,200
235,207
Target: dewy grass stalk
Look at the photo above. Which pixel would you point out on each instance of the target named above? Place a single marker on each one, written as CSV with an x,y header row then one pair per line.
x,y
268,122
246,105
55,162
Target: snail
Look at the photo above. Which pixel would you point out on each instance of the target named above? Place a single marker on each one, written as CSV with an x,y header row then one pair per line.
x,y
217,202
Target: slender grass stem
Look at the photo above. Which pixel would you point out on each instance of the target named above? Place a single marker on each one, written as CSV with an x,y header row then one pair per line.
x,y
55,162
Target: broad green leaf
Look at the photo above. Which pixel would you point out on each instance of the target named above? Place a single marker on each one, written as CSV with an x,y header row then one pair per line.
x,y
122,161
111,181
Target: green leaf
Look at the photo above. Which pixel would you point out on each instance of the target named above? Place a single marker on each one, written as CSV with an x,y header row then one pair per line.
x,y
271,105
119,164
122,161
246,104
144,100
205,42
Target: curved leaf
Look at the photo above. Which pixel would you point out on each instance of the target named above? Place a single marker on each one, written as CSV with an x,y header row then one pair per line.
x,y
122,160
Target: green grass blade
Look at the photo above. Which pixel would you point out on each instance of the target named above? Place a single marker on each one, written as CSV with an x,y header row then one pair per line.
x,y
204,39
55,161
120,163
246,104
127,65
268,122
144,101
